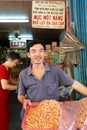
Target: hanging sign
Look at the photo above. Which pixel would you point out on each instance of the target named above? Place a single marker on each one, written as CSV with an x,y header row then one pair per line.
x,y
48,14
17,44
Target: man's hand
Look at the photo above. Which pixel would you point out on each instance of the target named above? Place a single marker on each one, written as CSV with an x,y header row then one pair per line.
x,y
26,102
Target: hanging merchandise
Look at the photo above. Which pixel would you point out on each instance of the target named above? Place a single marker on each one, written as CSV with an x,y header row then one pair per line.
x,y
72,58
71,43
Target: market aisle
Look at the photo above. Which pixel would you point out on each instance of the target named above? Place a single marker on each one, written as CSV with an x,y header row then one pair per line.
x,y
15,123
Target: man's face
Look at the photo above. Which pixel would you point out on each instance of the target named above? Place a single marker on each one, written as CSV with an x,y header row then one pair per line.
x,y
37,54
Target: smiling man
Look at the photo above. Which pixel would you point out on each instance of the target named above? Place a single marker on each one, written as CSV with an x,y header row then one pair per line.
x,y
41,80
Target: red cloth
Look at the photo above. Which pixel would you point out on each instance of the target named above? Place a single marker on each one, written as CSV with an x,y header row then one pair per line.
x,y
4,100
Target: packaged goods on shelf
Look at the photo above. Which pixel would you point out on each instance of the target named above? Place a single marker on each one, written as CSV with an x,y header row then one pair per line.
x,y
54,44
48,47
55,54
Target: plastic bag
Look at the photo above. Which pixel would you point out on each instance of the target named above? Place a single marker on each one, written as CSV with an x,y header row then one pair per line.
x,y
65,91
74,115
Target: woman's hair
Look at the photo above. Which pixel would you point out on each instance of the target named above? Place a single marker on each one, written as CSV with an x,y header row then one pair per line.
x,y
34,42
13,56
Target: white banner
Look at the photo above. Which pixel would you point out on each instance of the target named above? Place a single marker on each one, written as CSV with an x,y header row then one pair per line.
x,y
48,14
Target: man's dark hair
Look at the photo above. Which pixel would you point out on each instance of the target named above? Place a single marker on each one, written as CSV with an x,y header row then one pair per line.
x,y
13,56
34,42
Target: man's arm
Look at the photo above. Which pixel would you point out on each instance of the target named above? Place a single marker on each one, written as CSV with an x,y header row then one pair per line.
x,y
22,99
80,87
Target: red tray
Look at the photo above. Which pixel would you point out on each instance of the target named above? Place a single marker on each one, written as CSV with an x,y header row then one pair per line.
x,y
35,104
69,109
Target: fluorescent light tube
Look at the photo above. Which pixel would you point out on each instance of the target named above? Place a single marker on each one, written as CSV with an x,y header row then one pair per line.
x,y
14,20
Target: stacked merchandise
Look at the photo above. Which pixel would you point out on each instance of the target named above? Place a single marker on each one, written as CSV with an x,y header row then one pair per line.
x,y
55,54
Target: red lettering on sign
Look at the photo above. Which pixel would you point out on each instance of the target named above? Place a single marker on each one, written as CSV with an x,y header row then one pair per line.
x,y
60,23
38,17
47,17
48,22
58,18
55,2
35,22
43,22
54,23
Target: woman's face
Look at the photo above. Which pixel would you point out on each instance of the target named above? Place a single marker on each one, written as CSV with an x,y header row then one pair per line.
x,y
13,63
37,54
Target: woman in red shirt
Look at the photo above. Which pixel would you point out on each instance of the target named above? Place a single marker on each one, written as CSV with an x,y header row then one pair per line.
x,y
6,85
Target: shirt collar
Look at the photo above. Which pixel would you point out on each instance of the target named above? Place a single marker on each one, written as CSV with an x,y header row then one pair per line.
x,y
47,68
29,70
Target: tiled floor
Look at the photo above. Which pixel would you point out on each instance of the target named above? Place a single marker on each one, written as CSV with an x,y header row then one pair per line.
x,y
15,123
